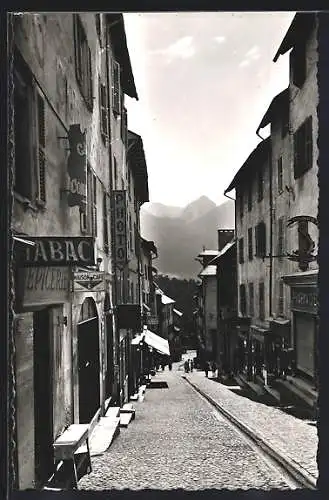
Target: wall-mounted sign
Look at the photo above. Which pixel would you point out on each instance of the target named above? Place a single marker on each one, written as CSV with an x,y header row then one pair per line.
x,y
119,211
85,280
43,285
306,245
304,299
77,167
58,251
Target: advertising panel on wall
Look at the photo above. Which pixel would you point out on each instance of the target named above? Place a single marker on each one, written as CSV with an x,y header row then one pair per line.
x,y
77,167
58,251
119,211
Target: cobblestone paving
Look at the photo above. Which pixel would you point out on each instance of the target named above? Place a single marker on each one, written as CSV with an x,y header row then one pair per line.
x,y
177,442
289,435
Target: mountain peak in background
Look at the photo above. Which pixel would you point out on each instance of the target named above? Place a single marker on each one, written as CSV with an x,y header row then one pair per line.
x,y
180,233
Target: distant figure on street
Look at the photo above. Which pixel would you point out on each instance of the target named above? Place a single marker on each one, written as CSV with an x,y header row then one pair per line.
x,y
186,366
170,365
206,368
190,364
214,368
163,366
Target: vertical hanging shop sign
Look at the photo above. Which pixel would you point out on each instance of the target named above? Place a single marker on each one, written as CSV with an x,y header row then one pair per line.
x,y
120,228
77,167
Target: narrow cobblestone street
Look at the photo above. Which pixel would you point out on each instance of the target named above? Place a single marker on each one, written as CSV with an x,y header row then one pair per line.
x,y
177,441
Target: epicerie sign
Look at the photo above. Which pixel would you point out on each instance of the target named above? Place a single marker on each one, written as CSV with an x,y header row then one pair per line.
x,y
59,251
120,227
45,285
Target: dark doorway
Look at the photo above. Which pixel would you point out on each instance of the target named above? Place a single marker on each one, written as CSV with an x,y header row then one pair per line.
x,y
88,361
43,396
109,344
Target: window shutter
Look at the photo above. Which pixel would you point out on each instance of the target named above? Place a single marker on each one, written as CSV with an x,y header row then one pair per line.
x,y
78,47
103,110
280,175
89,81
116,95
41,193
124,126
94,206
105,223
308,143
296,155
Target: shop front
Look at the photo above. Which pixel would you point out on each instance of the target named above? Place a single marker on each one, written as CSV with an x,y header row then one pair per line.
x,y
43,370
243,348
304,308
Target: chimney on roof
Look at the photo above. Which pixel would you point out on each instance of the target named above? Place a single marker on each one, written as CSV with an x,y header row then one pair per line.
x,y
224,237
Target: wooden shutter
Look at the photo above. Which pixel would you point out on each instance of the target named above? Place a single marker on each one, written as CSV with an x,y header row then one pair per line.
x,y
261,301
250,254
78,47
41,128
308,144
280,238
103,110
105,223
94,204
251,299
124,126
116,88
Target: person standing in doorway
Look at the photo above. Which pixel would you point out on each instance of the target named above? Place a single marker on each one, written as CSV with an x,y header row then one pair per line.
x,y
206,368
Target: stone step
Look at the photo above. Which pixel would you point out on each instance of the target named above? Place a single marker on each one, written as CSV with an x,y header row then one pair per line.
x,y
113,411
125,419
102,437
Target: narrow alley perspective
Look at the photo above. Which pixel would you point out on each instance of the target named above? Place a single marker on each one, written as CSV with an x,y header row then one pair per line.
x,y
179,440
164,244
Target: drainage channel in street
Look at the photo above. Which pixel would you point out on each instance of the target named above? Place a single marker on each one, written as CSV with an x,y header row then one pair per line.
x,y
292,474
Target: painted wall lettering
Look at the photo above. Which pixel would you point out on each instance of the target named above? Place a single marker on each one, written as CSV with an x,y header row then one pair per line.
x,y
120,228
54,251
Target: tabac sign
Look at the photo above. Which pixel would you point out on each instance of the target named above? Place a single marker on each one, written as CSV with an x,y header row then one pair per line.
x,y
119,211
58,251
306,244
77,167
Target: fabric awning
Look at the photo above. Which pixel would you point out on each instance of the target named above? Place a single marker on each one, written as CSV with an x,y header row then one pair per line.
x,y
158,343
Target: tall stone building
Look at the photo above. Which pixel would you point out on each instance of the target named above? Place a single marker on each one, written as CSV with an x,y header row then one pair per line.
x,y
70,75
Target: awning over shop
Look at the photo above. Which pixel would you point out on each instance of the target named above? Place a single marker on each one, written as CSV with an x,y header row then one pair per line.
x,y
155,341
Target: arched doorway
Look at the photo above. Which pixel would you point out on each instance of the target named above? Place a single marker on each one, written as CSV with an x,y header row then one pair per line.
x,y
88,361
109,346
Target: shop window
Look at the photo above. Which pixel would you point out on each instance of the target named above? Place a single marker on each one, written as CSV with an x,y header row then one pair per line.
x,y
116,88
103,107
251,299
250,249
83,66
260,185
280,174
260,234
243,303
241,251
303,148
261,301
30,147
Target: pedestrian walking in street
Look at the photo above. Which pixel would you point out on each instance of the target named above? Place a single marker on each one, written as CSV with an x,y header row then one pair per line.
x,y
186,367
206,368
170,366
190,362
163,366
214,368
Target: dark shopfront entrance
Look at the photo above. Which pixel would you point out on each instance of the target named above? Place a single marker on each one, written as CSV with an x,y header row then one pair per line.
x,y
108,318
43,395
88,360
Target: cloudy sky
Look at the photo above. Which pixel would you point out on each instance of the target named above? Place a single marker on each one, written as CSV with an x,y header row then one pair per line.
x,y
204,82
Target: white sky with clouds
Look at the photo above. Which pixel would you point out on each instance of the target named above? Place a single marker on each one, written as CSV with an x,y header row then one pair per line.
x,y
204,82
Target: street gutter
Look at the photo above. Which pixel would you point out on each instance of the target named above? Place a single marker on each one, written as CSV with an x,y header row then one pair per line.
x,y
295,470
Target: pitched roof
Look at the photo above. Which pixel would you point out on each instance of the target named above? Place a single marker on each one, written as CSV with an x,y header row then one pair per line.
x,y
297,31
227,247
254,159
279,102
136,158
209,271
121,53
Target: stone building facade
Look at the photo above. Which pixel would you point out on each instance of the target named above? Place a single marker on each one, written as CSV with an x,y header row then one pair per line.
x,y
71,72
